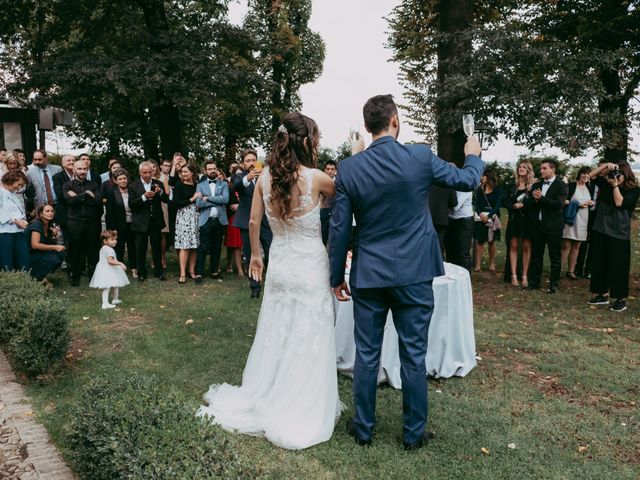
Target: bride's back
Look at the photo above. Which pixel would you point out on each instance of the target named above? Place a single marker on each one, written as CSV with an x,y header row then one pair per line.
x,y
303,203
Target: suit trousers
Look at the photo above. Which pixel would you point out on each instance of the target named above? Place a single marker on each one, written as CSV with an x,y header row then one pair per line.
x,y
611,265
541,238
211,236
265,241
153,236
84,245
412,307
126,238
458,241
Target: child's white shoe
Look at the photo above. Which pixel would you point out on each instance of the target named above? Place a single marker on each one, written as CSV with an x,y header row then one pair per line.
x,y
116,301
106,306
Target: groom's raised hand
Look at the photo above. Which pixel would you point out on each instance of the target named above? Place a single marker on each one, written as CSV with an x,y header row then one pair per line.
x,y
472,147
342,292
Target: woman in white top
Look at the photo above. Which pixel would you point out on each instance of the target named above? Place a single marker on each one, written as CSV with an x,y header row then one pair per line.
x,y
574,235
14,252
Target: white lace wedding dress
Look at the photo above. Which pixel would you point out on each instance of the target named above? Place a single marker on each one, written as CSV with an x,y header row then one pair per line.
x,y
289,391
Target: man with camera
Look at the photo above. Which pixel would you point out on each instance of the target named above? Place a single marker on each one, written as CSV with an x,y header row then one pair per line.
x,y
546,203
147,219
618,195
244,184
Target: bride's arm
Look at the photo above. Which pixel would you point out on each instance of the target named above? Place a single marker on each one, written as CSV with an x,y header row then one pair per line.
x,y
257,211
324,184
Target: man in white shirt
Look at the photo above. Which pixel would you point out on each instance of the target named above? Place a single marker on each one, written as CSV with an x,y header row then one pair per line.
x,y
460,231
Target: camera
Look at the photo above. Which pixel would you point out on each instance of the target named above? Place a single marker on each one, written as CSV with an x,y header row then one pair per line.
x,y
613,174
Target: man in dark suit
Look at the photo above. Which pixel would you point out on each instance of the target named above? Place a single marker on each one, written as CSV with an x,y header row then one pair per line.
x,y
395,258
440,201
331,169
59,179
83,221
244,184
546,201
147,220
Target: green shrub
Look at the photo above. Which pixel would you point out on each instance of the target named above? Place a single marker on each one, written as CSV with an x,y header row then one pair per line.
x,y
131,427
33,324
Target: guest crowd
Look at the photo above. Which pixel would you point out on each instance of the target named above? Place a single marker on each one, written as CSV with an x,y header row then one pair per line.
x,y
70,217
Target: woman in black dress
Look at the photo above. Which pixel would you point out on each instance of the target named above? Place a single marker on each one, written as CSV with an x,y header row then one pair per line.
x,y
518,233
45,255
187,231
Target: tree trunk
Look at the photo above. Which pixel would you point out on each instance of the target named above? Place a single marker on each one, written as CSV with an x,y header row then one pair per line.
x,y
613,117
114,146
455,16
149,138
167,112
230,150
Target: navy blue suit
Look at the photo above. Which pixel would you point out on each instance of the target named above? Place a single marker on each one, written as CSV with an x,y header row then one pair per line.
x,y
396,255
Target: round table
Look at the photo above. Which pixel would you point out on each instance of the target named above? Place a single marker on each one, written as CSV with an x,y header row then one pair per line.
x,y
451,347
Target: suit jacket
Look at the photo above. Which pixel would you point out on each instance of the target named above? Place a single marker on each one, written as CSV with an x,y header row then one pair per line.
x,y
115,213
217,198
59,179
440,201
550,205
82,206
34,175
245,194
146,213
386,188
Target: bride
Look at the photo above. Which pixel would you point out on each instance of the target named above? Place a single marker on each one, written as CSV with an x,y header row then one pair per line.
x,y
289,391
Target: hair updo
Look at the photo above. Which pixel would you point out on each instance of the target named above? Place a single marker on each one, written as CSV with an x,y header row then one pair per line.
x,y
295,144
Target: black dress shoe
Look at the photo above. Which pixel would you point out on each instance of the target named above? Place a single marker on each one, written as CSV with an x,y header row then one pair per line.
x,y
161,277
75,282
141,278
351,430
198,279
216,276
426,438
553,289
255,293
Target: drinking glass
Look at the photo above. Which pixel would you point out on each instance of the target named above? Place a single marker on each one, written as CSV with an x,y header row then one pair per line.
x,y
468,124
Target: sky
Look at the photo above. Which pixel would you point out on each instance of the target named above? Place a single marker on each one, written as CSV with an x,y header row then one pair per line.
x,y
357,67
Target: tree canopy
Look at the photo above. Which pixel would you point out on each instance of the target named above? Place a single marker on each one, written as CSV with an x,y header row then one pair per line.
x,y
157,76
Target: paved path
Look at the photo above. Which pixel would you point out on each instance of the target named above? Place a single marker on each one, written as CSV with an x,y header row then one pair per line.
x,y
26,452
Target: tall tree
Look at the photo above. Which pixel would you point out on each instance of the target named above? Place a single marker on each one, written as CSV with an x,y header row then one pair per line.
x,y
291,54
561,72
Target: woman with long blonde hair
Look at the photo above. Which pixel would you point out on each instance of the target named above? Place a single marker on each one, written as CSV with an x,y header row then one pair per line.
x,y
518,235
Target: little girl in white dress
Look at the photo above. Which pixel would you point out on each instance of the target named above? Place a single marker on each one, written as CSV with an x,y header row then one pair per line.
x,y
109,272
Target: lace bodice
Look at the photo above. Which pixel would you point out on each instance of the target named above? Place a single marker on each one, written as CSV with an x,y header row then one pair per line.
x,y
304,222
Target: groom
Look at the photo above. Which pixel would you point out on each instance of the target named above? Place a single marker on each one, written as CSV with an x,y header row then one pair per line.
x,y
395,258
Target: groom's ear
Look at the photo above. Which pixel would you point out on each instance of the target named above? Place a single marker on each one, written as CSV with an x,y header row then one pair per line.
x,y
395,121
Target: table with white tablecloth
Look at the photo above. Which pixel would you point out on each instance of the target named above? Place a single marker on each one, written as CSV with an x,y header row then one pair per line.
x,y
451,347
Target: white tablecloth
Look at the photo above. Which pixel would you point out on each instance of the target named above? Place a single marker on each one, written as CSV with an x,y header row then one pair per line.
x,y
452,344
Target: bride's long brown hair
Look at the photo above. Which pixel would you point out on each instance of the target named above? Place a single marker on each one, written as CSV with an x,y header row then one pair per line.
x,y
295,144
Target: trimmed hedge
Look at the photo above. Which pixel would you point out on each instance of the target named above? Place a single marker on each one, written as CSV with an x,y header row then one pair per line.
x,y
131,427
33,324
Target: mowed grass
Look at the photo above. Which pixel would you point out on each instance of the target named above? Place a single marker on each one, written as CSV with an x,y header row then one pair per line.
x,y
557,379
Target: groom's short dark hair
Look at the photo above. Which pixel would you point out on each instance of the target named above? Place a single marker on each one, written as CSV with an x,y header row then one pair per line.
x,y
378,111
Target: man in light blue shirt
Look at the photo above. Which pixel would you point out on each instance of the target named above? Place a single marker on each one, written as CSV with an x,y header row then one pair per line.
x,y
40,174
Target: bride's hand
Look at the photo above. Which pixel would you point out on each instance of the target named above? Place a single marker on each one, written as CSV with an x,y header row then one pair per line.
x,y
255,268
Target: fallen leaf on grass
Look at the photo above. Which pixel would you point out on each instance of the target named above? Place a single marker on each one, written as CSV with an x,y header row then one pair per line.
x,y
162,306
438,391
623,424
582,449
512,446
188,322
503,335
85,318
485,450
29,413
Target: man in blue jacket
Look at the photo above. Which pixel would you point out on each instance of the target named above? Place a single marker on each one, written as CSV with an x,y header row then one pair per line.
x,y
395,258
212,220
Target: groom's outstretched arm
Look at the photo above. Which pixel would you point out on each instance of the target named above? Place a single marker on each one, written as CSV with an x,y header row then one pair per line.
x,y
340,227
462,179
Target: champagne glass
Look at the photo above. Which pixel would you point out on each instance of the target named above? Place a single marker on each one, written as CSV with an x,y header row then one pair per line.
x,y
468,124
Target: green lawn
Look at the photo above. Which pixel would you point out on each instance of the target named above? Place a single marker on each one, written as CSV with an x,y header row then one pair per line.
x,y
558,379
